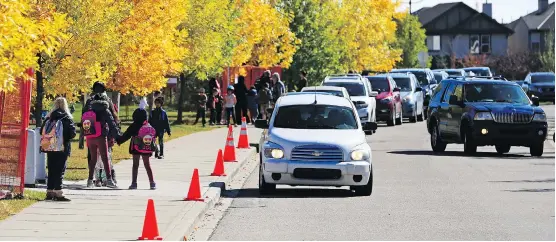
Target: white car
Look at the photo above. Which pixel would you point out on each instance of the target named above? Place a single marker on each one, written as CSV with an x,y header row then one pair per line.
x,y
361,94
337,91
314,140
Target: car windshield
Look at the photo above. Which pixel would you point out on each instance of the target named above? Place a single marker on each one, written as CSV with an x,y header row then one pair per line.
x,y
481,92
438,76
479,72
404,83
379,84
454,73
421,77
315,117
333,92
354,89
548,78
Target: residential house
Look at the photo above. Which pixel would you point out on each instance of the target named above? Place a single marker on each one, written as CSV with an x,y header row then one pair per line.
x,y
532,29
457,29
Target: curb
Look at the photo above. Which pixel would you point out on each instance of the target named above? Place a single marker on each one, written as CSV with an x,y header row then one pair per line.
x,y
186,223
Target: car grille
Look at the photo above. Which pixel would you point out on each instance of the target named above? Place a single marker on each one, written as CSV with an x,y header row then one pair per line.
x,y
512,118
317,174
317,153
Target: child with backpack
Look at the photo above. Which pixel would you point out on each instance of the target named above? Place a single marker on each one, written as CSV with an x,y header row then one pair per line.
x,y
98,127
159,121
142,145
56,134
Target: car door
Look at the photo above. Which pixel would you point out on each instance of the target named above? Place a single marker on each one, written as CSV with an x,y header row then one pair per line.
x,y
444,114
456,111
397,95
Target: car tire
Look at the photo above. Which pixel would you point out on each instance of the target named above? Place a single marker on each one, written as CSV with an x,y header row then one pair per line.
x,y
399,121
392,121
436,143
537,149
365,190
502,149
469,146
264,187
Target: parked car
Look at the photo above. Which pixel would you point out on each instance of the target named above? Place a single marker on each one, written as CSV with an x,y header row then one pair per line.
x,y
479,71
314,140
426,80
337,91
440,75
412,96
360,93
541,84
485,112
388,101
454,72
522,84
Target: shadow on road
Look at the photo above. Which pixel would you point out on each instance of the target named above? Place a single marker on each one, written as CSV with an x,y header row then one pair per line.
x,y
478,155
289,193
532,190
551,180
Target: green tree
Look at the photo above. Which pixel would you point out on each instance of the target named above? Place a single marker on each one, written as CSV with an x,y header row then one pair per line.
x,y
547,56
411,39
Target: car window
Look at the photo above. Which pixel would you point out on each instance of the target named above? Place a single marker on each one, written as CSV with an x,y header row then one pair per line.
x,y
495,93
542,78
404,83
454,73
438,76
458,91
421,77
448,92
315,117
379,84
353,88
480,72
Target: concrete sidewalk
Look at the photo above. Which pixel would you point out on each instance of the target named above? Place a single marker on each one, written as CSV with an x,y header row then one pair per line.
x,y
118,214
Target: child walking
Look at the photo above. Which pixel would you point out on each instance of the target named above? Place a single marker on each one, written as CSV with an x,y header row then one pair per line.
x,y
230,102
159,121
142,136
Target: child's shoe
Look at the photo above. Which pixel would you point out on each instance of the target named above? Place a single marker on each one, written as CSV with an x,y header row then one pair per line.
x,y
111,184
90,184
133,186
98,183
161,157
153,185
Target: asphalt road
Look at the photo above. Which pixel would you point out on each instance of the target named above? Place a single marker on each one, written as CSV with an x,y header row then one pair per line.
x,y
417,196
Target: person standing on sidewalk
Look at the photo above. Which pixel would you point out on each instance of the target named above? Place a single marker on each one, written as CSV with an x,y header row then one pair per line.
x,y
240,90
230,102
136,146
59,117
201,101
302,81
97,140
253,104
264,98
278,87
211,105
219,104
160,122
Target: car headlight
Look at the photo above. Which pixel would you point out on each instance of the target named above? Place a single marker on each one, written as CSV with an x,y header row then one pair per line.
x,y
358,155
539,117
483,116
272,150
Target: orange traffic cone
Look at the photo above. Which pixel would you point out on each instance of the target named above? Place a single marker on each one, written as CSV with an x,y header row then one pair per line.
x,y
229,150
194,193
219,166
150,226
243,142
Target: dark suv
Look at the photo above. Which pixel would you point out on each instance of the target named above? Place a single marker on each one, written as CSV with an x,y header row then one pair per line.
x,y
483,112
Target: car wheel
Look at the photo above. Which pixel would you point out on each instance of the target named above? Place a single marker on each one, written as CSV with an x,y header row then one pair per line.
x,y
436,143
469,146
399,121
537,149
365,190
392,121
502,149
264,188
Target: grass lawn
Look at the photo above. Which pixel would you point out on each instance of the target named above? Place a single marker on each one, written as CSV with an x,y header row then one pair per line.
x,y
12,206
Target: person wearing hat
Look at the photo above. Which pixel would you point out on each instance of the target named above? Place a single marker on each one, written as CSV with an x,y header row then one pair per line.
x,y
201,102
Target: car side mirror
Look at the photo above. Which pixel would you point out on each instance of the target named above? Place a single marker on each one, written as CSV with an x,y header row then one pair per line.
x,y
261,124
535,101
454,100
418,89
373,94
396,89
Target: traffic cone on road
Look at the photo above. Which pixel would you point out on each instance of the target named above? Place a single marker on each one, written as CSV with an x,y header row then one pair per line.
x,y
229,150
243,142
194,193
150,226
219,166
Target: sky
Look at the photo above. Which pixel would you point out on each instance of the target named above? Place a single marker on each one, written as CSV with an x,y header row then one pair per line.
x,y
504,11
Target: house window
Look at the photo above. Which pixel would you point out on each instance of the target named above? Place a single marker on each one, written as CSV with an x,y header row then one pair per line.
x,y
479,44
535,41
433,42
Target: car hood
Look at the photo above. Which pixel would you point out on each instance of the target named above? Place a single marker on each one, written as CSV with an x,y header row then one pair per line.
x,y
346,139
543,84
506,107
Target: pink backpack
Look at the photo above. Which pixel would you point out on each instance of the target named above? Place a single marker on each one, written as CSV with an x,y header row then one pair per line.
x,y
91,127
144,141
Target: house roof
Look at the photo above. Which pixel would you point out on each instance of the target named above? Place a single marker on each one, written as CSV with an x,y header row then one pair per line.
x,y
465,24
426,15
540,21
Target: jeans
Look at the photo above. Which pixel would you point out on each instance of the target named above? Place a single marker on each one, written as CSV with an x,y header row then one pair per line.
x,y
230,112
135,168
254,113
56,168
201,114
95,146
160,150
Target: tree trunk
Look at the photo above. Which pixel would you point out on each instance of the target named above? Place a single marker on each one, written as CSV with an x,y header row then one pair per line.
x,y
181,99
40,94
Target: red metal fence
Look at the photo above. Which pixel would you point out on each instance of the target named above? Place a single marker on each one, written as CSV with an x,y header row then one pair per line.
x,y
251,73
14,120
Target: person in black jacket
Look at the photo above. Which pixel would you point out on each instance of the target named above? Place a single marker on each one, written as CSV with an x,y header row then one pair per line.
x,y
159,121
56,161
241,96
139,118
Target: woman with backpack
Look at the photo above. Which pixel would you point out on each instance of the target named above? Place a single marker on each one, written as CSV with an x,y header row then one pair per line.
x,y
98,127
56,134
142,145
